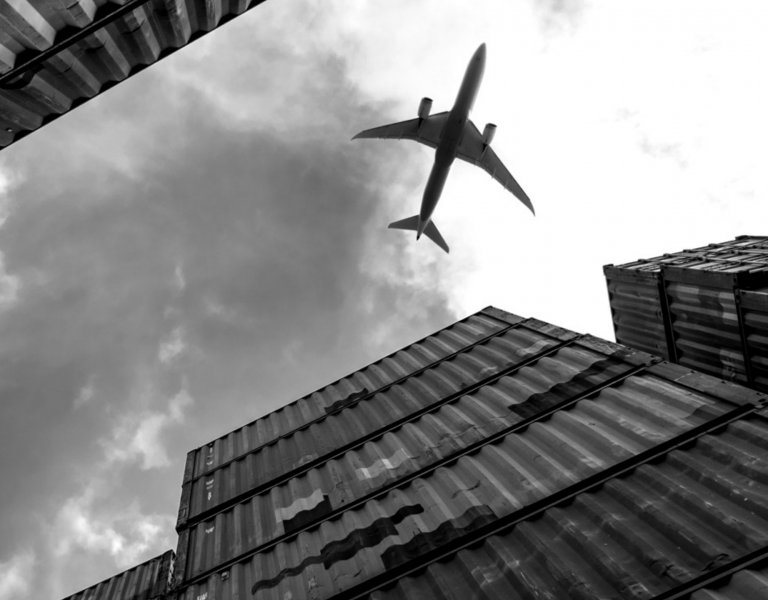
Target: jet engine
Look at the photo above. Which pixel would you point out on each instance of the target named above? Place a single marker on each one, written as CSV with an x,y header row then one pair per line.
x,y
488,133
424,107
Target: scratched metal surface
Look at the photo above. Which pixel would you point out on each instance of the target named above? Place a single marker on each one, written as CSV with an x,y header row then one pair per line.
x,y
415,445
88,67
297,414
146,581
648,532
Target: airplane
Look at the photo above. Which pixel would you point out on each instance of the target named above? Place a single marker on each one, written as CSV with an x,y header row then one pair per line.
x,y
452,135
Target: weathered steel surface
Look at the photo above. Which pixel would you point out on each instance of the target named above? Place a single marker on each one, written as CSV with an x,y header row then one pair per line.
x,y
376,413
697,307
747,584
76,72
424,443
638,313
659,528
147,581
343,393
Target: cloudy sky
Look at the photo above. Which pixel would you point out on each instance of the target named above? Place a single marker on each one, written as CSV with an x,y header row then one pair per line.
x,y
203,243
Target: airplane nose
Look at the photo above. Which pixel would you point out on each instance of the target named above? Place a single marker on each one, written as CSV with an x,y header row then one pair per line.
x,y
480,50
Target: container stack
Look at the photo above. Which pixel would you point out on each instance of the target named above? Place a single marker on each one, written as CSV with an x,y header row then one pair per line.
x,y
705,308
57,55
500,457
148,581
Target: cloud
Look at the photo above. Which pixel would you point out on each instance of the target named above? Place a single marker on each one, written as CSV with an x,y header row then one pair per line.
x,y
85,395
172,347
84,525
138,436
17,575
9,287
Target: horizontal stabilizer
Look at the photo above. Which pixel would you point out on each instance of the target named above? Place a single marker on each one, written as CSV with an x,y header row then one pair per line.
x,y
433,234
411,224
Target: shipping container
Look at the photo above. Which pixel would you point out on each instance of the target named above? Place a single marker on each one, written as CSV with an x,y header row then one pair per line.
x,y
598,501
345,392
371,416
689,523
58,55
573,418
415,446
696,308
148,581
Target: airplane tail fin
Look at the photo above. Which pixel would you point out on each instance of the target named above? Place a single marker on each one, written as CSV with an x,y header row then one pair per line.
x,y
412,224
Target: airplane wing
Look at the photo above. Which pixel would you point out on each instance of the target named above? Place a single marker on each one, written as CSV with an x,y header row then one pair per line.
x,y
472,150
427,131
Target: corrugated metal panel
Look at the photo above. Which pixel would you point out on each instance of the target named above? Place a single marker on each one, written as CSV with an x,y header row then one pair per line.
x,y
754,307
146,581
368,417
412,447
699,306
706,330
637,310
652,530
75,50
343,393
747,584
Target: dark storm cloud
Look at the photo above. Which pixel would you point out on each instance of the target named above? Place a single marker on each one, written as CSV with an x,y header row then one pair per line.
x,y
180,274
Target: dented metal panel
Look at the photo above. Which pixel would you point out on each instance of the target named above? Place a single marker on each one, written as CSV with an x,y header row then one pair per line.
x,y
147,581
55,55
655,529
417,445
345,392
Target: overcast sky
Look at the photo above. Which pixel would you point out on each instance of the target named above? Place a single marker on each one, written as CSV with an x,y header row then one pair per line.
x,y
203,243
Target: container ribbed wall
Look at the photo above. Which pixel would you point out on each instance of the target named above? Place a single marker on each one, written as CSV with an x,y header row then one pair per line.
x,y
521,467
323,438
147,581
754,310
701,308
110,53
660,526
531,438
342,393
654,531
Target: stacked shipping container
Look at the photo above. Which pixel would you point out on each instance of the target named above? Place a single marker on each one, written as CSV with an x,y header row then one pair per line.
x,y
56,55
500,457
147,581
705,308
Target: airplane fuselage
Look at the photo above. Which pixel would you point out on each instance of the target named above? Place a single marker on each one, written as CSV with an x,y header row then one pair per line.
x,y
451,136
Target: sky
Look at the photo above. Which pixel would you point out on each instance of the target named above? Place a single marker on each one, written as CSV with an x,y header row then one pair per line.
x,y
203,243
